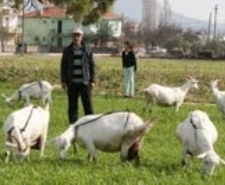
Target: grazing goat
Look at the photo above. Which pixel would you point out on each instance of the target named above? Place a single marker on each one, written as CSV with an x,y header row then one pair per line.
x,y
162,95
110,132
197,134
25,129
218,96
37,89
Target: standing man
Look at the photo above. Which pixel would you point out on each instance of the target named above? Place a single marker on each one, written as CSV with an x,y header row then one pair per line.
x,y
129,64
77,72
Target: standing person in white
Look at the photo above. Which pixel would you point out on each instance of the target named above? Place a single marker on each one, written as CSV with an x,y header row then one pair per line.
x,y
129,69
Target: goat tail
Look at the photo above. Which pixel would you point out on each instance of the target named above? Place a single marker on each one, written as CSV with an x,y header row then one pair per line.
x,y
196,121
56,86
149,124
142,129
144,90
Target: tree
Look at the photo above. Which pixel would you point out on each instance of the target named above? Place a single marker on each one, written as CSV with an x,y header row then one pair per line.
x,y
105,34
129,28
216,46
163,34
83,11
165,19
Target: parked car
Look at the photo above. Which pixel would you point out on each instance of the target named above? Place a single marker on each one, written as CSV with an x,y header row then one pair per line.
x,y
157,52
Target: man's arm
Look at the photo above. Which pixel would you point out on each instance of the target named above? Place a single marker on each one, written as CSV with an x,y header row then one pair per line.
x,y
135,61
92,67
63,71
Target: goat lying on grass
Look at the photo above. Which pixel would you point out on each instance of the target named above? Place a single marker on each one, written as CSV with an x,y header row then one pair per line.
x,y
218,96
171,96
110,132
197,134
37,89
25,129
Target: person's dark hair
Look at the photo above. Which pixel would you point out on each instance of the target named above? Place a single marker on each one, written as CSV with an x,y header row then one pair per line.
x,y
129,44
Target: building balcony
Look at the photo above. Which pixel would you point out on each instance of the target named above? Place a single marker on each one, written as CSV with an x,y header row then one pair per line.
x,y
11,30
7,11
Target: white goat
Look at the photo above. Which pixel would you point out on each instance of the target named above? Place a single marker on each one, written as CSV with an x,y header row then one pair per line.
x,y
218,96
110,132
37,89
162,95
197,134
25,129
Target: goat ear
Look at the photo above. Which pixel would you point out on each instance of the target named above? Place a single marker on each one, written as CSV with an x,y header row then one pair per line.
x,y
217,80
189,77
201,156
8,144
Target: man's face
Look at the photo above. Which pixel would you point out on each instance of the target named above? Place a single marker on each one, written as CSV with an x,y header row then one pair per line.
x,y
77,38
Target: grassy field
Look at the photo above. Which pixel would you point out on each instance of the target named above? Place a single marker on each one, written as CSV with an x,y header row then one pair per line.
x,y
160,157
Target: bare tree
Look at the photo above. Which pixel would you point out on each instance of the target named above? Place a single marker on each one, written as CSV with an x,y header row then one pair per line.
x,y
1,27
149,14
165,19
129,28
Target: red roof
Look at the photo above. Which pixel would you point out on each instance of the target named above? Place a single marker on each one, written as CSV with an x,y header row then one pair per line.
x,y
110,15
55,11
47,13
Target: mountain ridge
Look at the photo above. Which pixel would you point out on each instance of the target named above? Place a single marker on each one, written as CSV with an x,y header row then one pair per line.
x,y
176,18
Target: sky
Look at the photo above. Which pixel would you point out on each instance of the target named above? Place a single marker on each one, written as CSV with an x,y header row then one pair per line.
x,y
198,9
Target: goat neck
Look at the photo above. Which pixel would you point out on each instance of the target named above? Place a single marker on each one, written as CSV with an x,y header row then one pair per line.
x,y
185,87
215,90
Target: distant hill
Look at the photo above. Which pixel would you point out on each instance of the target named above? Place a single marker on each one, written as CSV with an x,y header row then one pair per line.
x,y
187,22
121,7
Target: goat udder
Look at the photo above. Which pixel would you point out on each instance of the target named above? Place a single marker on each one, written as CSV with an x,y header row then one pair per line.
x,y
133,151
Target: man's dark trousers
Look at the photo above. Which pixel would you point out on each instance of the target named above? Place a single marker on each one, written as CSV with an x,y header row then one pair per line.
x,y
74,91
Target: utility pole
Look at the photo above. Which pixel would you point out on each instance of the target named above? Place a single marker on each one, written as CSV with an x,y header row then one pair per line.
x,y
1,26
215,21
22,38
209,26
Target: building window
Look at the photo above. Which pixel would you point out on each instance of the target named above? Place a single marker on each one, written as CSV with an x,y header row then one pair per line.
x,y
7,22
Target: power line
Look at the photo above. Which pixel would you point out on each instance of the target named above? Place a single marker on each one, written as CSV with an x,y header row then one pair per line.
x,y
215,21
209,26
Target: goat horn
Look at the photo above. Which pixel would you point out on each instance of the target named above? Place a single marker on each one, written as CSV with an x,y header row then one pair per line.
x,y
10,144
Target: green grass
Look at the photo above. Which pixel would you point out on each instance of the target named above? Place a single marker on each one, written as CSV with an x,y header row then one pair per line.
x,y
160,156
